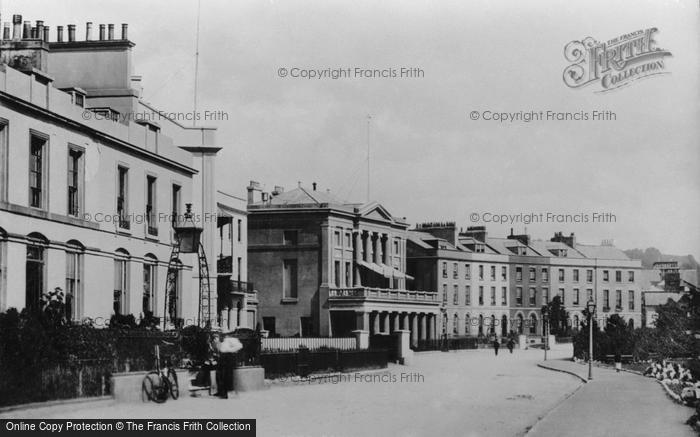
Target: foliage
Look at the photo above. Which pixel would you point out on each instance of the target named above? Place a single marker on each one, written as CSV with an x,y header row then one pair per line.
x,y
558,318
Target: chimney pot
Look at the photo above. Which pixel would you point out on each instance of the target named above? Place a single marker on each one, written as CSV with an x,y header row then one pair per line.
x,y
59,34
314,186
102,32
71,32
46,33
27,30
125,31
6,31
16,27
110,32
88,31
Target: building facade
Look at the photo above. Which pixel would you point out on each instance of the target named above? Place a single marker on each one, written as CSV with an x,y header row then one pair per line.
x,y
92,179
327,267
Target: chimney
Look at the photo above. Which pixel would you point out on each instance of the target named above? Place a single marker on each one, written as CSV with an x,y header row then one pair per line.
x,y
59,34
476,232
253,187
71,32
560,238
445,230
314,185
125,31
6,32
16,27
110,32
102,32
523,238
277,191
39,29
46,33
27,30
88,31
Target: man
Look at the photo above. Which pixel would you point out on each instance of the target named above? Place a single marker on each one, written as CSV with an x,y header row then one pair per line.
x,y
496,344
227,348
511,344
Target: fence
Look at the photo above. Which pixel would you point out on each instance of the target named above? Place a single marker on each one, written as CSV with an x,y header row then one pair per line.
x,y
294,363
293,343
452,344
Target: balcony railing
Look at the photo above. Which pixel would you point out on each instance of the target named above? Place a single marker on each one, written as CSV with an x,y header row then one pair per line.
x,y
383,293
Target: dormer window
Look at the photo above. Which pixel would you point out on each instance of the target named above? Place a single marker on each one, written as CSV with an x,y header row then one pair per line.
x,y
105,114
479,248
77,96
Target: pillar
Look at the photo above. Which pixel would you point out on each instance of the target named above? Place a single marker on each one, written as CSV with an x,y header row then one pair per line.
x,y
413,317
362,320
396,324
433,326
385,324
358,257
375,323
423,326
403,323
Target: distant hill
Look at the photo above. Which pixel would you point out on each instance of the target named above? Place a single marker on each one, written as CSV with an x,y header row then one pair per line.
x,y
651,255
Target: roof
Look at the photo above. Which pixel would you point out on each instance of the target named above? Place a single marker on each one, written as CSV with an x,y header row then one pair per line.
x,y
303,196
601,252
506,246
660,297
546,248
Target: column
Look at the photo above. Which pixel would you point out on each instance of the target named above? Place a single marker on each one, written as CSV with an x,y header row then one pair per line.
x,y
385,324
396,325
375,324
362,320
403,324
380,252
413,317
433,325
423,326
358,257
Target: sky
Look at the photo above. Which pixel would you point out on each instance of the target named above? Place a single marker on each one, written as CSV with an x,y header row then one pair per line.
x,y
428,160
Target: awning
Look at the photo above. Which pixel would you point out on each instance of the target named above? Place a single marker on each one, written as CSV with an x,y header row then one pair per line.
x,y
384,270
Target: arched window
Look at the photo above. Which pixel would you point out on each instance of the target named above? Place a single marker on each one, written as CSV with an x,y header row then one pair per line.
x,y
150,280
74,280
121,282
467,324
533,324
520,324
481,324
455,324
35,270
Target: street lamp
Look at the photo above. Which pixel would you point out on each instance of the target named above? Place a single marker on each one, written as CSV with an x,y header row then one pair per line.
x,y
545,328
591,311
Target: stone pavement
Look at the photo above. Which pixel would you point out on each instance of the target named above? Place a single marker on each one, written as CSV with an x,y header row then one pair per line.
x,y
613,404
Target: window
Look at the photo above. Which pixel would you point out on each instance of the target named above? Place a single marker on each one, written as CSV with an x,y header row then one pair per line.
x,y
493,273
618,276
348,274
533,324
239,231
348,240
37,171
533,274
519,296
630,300
444,269
336,273
307,326
589,276
481,295
545,274
481,272
455,296
290,238
289,280
562,294
35,273
575,275
504,273
561,275
75,181
151,214
455,271
606,276
493,296
337,239
589,294
444,293
533,297
545,295
479,248
576,296
618,299
269,326
120,303
3,159
74,295
504,296
396,246
123,197
150,275
467,271
606,300
455,324
630,276
239,263
467,295
467,322
175,205
518,273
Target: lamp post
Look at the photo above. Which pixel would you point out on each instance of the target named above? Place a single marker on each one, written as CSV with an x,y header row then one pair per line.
x,y
545,328
591,311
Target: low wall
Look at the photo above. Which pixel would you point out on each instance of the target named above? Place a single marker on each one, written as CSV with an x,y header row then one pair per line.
x,y
312,343
126,387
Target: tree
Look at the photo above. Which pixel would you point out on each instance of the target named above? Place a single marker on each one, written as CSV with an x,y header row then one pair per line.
x,y
558,318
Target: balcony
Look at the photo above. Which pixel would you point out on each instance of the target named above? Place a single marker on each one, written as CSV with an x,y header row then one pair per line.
x,y
366,293
224,265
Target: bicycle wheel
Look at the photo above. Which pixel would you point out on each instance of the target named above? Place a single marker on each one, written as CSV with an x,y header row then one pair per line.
x,y
152,388
172,380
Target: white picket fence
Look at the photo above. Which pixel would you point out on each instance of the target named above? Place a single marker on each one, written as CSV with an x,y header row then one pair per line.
x,y
291,344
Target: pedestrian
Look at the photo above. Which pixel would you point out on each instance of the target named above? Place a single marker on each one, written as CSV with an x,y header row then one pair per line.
x,y
227,348
496,344
511,344
618,362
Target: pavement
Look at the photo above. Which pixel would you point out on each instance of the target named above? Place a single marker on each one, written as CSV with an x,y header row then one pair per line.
x,y
619,404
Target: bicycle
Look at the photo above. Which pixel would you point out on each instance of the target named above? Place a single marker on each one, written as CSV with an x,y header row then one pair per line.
x,y
158,384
